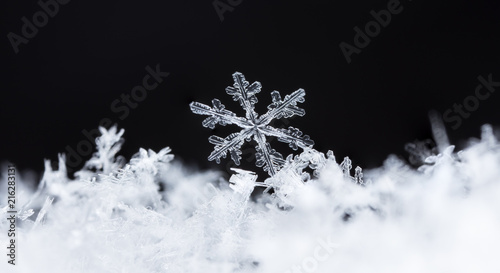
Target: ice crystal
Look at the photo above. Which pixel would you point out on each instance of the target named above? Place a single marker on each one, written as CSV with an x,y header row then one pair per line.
x,y
104,160
253,125
150,161
243,181
346,167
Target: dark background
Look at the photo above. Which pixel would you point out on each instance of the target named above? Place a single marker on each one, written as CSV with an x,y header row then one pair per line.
x,y
65,79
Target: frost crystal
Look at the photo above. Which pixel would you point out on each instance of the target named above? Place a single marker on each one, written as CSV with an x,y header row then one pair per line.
x,y
346,167
253,125
104,160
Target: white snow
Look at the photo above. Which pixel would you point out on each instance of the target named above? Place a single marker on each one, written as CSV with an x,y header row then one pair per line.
x,y
443,217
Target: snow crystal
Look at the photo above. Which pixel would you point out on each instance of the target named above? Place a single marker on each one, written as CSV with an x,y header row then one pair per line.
x,y
253,125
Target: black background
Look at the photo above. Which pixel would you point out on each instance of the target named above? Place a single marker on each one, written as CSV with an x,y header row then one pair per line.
x,y
65,79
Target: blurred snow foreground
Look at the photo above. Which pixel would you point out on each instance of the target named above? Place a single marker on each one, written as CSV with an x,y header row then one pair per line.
x,y
442,217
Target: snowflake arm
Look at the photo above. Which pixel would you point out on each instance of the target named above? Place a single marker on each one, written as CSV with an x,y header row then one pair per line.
x,y
244,93
218,114
292,136
266,157
284,108
231,144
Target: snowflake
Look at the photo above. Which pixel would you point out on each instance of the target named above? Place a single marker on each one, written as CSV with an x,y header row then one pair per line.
x,y
253,125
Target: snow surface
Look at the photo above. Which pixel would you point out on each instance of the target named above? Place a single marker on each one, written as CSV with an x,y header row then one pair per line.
x,y
443,217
